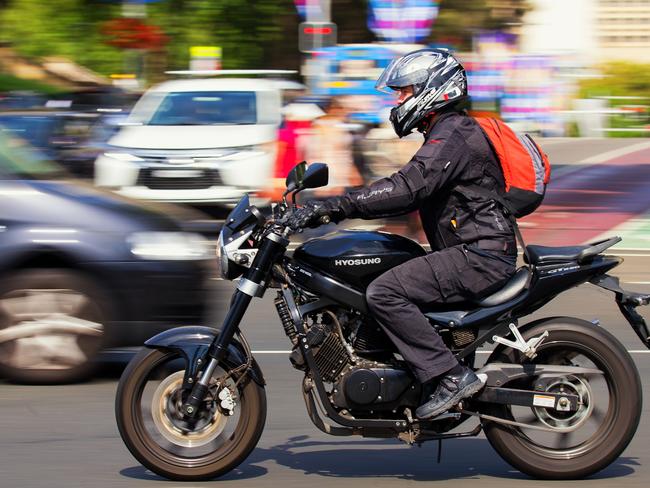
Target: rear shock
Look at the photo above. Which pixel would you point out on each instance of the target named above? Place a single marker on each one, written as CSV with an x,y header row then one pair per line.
x,y
285,317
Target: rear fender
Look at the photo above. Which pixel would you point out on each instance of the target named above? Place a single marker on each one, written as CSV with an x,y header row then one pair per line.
x,y
193,342
627,302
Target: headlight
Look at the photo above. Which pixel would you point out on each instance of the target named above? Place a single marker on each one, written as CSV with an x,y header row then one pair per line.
x,y
173,246
252,151
129,158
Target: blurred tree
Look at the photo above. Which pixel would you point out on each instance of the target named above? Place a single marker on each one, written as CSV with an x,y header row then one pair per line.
x,y
459,20
245,30
351,17
619,79
61,27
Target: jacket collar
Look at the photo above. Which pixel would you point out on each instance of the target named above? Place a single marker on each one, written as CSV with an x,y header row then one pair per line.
x,y
435,119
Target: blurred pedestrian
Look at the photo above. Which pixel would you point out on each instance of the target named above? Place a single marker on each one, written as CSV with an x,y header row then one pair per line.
x,y
331,143
293,137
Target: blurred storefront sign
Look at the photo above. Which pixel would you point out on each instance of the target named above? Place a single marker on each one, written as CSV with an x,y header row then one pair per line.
x,y
525,90
402,20
204,58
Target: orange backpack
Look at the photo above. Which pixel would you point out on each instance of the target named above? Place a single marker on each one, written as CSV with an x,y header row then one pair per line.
x,y
526,168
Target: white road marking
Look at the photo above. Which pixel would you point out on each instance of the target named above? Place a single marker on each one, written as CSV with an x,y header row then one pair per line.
x,y
615,153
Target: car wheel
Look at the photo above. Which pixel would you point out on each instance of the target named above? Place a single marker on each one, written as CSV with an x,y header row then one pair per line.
x,y
52,324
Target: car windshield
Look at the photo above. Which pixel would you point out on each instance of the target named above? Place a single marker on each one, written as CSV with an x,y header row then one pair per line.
x,y
19,160
206,108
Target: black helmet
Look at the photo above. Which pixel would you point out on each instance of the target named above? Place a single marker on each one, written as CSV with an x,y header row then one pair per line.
x,y
438,79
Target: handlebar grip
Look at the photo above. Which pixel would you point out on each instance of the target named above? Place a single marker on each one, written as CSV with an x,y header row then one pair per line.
x,y
325,219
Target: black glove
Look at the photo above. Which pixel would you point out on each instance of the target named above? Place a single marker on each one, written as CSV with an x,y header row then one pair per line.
x,y
311,213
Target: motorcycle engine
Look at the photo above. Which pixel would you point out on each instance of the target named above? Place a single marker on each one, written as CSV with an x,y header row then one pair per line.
x,y
351,352
369,386
330,353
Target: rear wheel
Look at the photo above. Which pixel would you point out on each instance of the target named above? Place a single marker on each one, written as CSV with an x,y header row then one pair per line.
x,y
575,444
147,408
52,325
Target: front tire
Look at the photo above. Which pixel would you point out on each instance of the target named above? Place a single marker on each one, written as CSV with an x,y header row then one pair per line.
x,y
568,340
155,436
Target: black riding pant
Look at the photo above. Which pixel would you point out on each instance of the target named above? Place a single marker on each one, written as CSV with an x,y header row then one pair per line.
x,y
453,275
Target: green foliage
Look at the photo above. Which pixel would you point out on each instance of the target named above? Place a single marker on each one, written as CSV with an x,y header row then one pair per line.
x,y
61,27
245,30
619,79
623,79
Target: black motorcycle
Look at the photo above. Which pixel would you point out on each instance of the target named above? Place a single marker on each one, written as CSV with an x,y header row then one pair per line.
x,y
562,397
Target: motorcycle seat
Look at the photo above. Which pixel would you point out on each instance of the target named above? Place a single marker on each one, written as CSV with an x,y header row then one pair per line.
x,y
542,255
512,289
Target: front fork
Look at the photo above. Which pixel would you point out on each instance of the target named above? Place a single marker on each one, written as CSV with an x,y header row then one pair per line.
x,y
251,285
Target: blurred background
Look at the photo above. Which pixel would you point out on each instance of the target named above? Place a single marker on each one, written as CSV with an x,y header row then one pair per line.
x,y
129,128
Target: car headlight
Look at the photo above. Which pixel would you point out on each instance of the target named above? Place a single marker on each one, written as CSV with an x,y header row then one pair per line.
x,y
172,246
129,158
252,151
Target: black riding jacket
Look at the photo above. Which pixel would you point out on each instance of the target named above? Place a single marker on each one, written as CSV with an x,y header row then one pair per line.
x,y
438,182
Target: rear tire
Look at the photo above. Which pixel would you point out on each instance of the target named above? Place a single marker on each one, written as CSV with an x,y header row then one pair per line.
x,y
190,465
619,423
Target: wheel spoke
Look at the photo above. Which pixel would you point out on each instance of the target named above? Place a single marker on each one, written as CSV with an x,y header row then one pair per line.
x,y
597,416
562,441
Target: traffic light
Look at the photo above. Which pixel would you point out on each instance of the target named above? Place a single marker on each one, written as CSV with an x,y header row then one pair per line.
x,y
313,36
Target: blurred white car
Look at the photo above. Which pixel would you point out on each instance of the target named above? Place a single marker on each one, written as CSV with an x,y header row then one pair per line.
x,y
203,141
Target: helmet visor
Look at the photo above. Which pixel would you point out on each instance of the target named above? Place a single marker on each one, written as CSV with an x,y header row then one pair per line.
x,y
412,69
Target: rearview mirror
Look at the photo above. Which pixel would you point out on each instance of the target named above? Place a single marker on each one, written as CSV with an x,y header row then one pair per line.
x,y
316,176
295,177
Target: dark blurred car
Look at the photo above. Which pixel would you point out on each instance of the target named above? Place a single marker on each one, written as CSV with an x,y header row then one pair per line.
x,y
21,100
81,270
72,139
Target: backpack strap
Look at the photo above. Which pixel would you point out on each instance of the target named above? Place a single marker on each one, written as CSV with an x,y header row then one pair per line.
x,y
492,195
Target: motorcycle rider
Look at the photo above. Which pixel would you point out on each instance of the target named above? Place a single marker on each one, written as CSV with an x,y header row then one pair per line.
x,y
473,243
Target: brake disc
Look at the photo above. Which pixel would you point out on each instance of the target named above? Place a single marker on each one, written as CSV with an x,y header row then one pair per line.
x,y
170,422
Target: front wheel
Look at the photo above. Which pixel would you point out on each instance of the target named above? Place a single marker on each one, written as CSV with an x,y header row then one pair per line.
x,y
574,444
147,408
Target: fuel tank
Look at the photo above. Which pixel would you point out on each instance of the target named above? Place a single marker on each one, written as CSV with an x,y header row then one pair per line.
x,y
357,257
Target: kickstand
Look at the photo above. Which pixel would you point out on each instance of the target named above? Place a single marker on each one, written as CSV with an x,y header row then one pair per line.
x,y
439,450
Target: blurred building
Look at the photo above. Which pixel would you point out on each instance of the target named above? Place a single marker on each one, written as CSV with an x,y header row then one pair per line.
x,y
623,29
564,28
591,30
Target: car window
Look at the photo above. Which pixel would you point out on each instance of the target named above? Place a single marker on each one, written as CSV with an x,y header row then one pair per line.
x,y
206,108
19,160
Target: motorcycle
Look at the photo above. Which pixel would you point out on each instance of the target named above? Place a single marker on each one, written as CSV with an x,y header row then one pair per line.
x,y
561,396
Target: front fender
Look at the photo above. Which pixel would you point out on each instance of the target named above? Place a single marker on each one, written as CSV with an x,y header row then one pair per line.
x,y
193,342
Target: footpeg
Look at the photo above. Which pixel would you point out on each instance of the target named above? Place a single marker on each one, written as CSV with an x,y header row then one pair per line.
x,y
528,348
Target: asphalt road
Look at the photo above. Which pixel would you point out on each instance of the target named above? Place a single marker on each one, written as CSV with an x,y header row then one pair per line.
x,y
65,436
